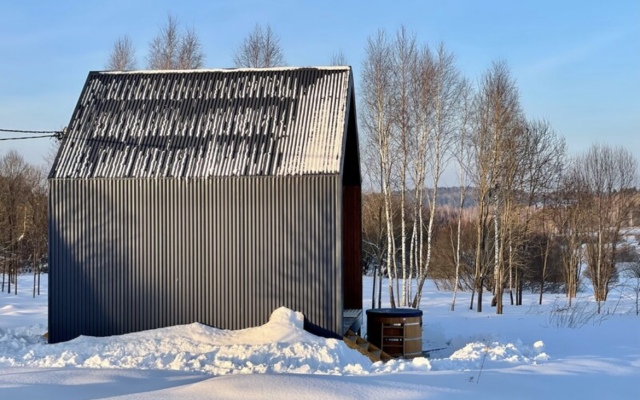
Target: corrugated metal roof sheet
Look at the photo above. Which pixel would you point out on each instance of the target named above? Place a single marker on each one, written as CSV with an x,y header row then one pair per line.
x,y
205,123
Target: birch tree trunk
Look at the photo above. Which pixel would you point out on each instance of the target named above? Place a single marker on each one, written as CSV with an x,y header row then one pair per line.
x,y
444,108
462,157
377,84
405,58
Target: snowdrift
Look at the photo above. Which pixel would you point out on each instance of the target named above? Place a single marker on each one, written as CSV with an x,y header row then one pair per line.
x,y
279,346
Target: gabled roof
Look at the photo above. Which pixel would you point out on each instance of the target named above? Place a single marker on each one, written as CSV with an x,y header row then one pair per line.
x,y
207,123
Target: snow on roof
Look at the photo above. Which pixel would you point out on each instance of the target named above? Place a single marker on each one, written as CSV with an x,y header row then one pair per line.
x,y
204,70
208,123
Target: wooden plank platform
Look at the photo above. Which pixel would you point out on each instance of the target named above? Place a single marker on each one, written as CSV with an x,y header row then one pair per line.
x,y
360,344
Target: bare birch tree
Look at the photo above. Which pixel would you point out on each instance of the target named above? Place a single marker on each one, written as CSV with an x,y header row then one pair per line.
x,y
338,58
23,220
13,216
417,112
462,157
569,223
164,48
497,113
607,174
404,64
446,101
540,165
423,99
527,159
260,49
122,56
376,118
374,240
413,121
37,202
190,55
173,49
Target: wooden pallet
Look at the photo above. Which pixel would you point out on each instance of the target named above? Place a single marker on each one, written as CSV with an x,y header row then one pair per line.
x,y
356,342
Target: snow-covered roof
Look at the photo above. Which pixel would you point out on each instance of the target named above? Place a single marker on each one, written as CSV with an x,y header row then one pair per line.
x,y
223,70
207,123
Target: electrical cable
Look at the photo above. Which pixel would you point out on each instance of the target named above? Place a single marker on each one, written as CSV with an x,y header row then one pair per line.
x,y
41,134
23,131
30,137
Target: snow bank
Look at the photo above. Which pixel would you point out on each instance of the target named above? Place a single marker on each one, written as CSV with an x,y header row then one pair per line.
x,y
280,346
476,355
281,359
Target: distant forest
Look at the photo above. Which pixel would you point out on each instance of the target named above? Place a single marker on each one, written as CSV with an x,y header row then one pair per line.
x,y
450,196
447,196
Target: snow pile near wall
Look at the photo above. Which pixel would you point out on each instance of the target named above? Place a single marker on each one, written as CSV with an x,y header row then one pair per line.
x,y
473,355
281,345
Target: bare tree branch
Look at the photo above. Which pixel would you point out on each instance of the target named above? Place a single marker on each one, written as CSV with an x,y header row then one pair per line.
x,y
122,56
338,58
190,55
376,121
607,176
260,49
171,49
163,49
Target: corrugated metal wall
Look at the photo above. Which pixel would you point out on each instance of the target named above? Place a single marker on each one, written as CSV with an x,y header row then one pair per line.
x,y
134,254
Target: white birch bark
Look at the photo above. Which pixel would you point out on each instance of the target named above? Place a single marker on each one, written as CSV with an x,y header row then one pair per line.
x,y
462,156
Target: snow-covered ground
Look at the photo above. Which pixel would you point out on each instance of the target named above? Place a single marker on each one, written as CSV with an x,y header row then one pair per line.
x,y
528,352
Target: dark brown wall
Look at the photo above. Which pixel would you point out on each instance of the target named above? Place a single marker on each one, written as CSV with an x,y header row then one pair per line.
x,y
352,234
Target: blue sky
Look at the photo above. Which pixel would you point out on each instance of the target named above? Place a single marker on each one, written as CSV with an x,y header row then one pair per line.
x,y
576,63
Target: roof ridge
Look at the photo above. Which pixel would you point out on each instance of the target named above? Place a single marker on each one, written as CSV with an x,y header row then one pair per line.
x,y
226,70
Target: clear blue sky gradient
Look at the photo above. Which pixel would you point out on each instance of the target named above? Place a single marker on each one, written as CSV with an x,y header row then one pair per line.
x,y
576,63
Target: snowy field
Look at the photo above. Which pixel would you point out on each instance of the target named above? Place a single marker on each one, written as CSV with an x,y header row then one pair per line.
x,y
530,352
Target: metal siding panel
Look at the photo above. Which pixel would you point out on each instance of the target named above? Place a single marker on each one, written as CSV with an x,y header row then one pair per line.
x,y
219,255
215,223
338,285
205,268
54,254
232,264
249,251
158,245
223,248
140,254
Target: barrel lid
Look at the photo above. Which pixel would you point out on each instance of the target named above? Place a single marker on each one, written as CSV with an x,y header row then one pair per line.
x,y
395,312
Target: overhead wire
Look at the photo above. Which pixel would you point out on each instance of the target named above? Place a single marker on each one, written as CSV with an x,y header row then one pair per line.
x,y
23,131
40,134
30,137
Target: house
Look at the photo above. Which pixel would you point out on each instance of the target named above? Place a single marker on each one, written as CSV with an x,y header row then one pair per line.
x,y
211,196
